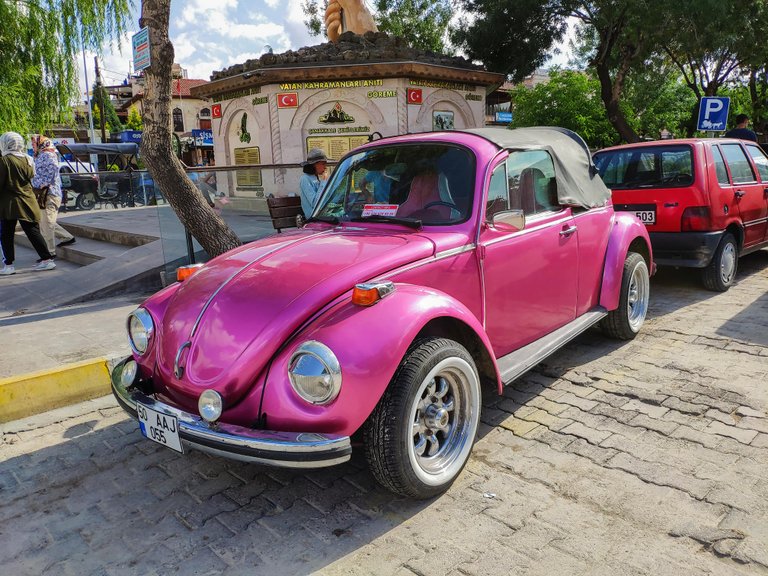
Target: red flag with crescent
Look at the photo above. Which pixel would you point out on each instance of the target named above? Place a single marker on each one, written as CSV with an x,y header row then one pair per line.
x,y
216,111
288,100
414,95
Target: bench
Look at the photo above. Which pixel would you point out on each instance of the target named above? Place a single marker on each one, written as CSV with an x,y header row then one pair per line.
x,y
283,211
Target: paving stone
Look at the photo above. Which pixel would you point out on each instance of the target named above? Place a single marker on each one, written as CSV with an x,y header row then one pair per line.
x,y
589,434
684,407
743,436
662,426
651,410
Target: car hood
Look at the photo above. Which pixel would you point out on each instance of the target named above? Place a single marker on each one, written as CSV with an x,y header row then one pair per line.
x,y
240,308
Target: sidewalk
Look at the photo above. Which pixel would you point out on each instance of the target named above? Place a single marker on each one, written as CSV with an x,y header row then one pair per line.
x,y
54,358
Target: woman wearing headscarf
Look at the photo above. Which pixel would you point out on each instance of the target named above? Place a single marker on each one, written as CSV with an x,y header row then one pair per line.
x,y
47,175
18,203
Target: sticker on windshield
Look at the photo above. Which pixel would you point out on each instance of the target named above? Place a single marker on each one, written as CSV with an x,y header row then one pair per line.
x,y
380,210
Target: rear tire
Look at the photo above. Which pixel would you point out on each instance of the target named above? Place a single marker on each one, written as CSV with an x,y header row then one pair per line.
x,y
721,272
625,322
420,435
85,201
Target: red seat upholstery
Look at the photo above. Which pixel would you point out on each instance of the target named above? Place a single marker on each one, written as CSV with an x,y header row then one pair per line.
x,y
424,191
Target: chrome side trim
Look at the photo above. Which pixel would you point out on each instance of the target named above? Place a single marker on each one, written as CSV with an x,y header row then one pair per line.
x,y
454,251
520,361
284,449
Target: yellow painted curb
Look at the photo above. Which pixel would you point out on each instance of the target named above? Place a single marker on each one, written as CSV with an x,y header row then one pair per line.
x,y
37,392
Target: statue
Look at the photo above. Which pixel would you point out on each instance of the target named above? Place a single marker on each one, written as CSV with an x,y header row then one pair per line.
x,y
347,16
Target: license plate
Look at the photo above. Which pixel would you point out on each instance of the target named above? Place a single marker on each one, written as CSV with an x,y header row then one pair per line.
x,y
646,216
159,427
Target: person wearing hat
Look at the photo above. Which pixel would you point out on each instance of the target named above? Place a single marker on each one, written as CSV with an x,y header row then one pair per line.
x,y
313,179
47,176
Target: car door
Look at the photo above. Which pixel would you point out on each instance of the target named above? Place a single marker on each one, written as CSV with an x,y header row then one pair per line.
x,y
761,164
749,194
530,276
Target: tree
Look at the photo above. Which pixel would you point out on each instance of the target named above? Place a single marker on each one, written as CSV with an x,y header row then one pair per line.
x,y
156,143
40,41
111,119
423,22
570,100
134,120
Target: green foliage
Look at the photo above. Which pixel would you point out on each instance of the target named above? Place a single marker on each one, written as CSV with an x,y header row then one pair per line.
x,y
134,120
111,119
423,23
40,41
570,100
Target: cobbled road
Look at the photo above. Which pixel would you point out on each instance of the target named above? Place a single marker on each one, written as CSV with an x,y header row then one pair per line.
x,y
646,457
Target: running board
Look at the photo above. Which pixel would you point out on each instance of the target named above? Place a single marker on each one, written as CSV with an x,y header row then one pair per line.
x,y
515,364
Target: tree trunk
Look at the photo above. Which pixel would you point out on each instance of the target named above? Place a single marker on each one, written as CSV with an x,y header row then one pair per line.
x,y
610,93
166,169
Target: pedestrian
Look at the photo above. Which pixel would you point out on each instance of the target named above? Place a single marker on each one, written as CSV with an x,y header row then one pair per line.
x,y
18,203
313,180
741,131
47,176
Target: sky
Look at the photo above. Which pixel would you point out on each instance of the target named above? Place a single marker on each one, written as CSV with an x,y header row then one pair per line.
x,y
211,35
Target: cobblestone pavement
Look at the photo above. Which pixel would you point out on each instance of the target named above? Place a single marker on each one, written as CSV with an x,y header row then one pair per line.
x,y
648,457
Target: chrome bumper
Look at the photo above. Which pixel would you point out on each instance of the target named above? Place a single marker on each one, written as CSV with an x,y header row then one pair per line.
x,y
284,449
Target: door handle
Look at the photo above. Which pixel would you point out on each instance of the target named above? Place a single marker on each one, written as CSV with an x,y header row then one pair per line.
x,y
739,193
568,231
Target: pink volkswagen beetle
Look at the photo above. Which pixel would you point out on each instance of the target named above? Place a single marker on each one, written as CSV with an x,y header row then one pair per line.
x,y
433,264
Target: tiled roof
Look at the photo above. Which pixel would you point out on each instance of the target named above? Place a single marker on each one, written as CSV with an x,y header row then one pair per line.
x,y
181,86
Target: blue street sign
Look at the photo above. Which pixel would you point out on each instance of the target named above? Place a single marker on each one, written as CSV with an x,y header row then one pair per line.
x,y
713,114
140,42
203,137
504,117
130,136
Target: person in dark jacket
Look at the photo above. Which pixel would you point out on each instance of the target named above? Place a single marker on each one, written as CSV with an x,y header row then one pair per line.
x,y
741,131
18,203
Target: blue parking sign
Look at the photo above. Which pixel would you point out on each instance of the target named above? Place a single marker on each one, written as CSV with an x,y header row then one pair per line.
x,y
713,114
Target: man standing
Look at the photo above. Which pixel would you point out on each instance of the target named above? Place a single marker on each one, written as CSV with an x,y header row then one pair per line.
x,y
741,131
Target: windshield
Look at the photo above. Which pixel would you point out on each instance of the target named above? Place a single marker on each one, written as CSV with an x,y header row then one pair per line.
x,y
646,167
411,184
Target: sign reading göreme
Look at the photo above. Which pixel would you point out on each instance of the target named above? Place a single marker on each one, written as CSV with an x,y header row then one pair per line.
x,y
334,96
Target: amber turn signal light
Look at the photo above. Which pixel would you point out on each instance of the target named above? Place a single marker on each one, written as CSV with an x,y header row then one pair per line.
x,y
184,272
369,293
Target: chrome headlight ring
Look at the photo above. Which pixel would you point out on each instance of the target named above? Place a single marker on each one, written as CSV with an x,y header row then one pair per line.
x,y
315,373
141,328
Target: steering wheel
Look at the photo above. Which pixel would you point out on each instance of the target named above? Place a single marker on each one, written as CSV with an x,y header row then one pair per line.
x,y
450,205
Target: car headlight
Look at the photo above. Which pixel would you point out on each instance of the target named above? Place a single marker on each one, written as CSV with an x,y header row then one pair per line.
x,y
315,373
128,374
210,405
140,330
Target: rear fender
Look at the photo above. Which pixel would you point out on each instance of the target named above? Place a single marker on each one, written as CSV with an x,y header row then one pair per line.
x,y
628,234
369,342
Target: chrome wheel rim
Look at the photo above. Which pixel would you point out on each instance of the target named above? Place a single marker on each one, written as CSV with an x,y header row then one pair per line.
x,y
638,296
444,414
728,263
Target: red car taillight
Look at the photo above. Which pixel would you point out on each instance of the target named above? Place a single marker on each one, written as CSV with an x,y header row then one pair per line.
x,y
695,218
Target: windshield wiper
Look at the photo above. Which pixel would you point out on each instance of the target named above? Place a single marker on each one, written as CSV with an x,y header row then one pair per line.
x,y
326,219
410,222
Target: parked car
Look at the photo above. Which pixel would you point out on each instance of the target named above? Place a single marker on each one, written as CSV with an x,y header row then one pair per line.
x,y
79,181
487,251
704,201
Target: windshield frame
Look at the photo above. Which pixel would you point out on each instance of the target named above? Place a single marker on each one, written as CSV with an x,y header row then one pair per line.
x,y
344,166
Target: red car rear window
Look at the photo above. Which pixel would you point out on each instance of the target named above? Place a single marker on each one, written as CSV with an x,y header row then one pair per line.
x,y
665,166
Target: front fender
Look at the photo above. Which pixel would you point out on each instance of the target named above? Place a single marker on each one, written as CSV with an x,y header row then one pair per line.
x,y
370,343
627,231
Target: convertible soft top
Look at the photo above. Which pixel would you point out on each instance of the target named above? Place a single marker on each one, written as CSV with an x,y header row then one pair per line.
x,y
578,181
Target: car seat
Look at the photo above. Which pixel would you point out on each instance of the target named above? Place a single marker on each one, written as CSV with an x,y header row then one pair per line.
x,y
527,189
424,191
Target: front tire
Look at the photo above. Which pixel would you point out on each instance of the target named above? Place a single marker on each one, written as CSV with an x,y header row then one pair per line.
x,y
625,322
721,272
420,435
85,201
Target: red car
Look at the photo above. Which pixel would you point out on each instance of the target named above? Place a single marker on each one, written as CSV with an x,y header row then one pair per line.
x,y
704,201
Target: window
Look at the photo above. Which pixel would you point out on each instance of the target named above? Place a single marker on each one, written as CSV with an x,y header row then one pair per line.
x,y
761,161
532,184
720,169
741,171
178,120
646,167
205,113
498,193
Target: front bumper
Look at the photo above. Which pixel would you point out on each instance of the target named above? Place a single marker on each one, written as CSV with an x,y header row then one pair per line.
x,y
284,449
687,249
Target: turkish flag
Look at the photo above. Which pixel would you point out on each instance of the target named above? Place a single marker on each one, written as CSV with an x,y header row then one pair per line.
x,y
288,100
414,95
216,111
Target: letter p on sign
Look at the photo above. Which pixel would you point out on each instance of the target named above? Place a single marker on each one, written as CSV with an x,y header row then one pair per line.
x,y
713,114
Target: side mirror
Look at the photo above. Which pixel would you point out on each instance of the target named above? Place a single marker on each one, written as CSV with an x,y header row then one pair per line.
x,y
509,220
